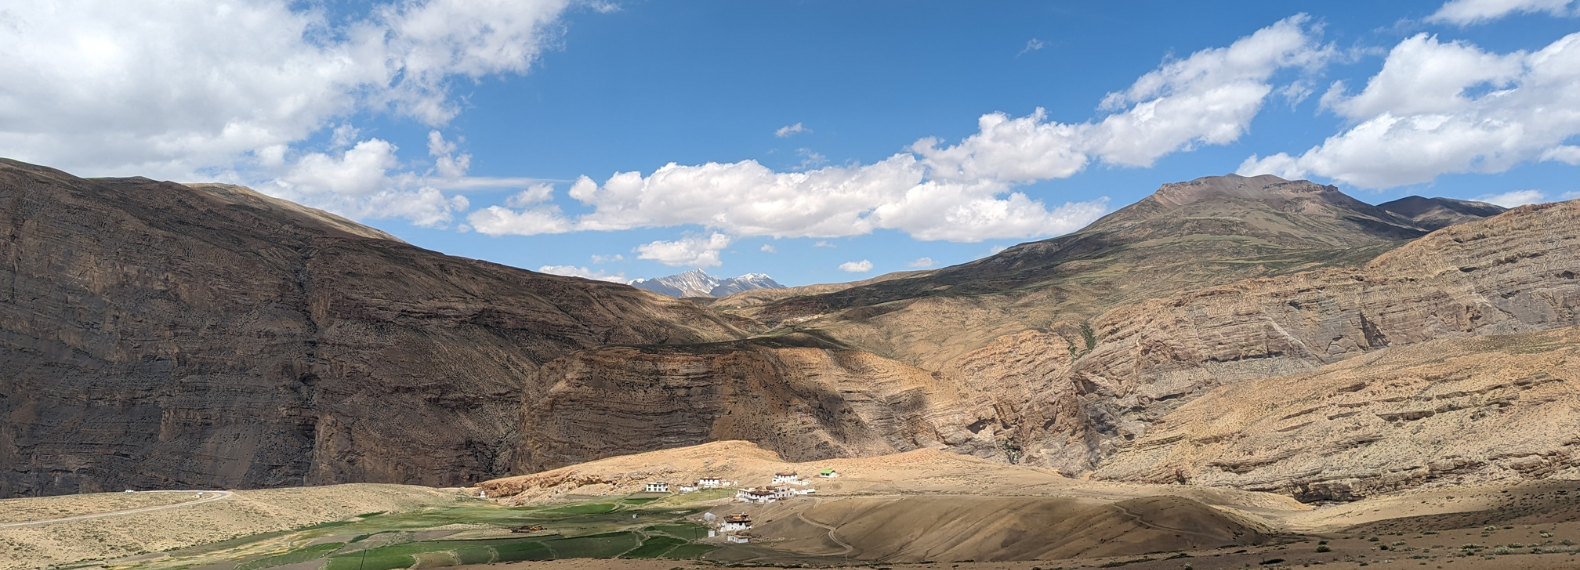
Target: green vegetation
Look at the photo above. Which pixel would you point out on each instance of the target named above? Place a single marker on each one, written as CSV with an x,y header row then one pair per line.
x,y
654,547
310,553
587,509
689,551
611,528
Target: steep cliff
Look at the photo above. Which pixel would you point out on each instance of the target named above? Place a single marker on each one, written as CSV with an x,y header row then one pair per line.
x,y
800,396
160,335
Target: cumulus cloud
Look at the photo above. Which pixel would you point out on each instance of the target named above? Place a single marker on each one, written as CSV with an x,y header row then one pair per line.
x,y
1514,198
862,266
1446,107
790,130
584,273
767,248
607,258
966,191
166,90
1467,12
922,262
693,251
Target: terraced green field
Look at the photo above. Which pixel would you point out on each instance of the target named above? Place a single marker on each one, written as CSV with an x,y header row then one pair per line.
x,y
476,533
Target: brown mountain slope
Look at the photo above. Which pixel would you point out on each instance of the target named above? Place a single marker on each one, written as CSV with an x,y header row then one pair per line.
x,y
1189,235
1452,411
1511,273
1438,213
160,335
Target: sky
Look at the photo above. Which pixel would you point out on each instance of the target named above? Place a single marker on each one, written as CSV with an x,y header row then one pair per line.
x,y
814,141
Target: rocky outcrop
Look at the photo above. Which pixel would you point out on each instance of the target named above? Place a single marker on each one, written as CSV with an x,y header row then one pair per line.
x,y
155,335
798,396
1516,272
1459,411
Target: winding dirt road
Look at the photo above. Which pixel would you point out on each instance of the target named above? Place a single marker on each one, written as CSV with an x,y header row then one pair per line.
x,y
208,497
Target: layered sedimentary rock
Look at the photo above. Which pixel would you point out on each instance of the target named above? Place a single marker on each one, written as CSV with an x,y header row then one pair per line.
x,y
798,396
1516,272
155,335
1452,411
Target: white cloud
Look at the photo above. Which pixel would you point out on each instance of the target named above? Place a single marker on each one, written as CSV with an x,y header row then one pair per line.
x,y
922,262
810,159
498,221
1032,45
1571,195
693,251
862,266
583,272
789,130
170,90
445,162
535,194
823,243
607,258
966,192
767,248
1438,108
1514,198
1467,12
996,249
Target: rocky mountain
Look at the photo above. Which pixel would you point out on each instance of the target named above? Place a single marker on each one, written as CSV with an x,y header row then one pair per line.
x,y
156,335
164,335
696,283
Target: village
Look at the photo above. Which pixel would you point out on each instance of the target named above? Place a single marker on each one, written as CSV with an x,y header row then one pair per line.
x,y
735,527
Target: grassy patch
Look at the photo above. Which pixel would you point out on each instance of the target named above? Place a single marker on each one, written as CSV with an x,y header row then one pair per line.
x,y
654,547
369,561
584,509
310,553
689,551
687,531
597,546
523,551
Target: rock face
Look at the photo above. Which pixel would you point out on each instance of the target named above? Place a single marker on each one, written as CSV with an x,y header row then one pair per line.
x,y
154,335
1513,273
696,283
1456,411
799,396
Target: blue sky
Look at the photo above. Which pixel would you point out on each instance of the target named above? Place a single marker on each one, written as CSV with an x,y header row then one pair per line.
x,y
495,130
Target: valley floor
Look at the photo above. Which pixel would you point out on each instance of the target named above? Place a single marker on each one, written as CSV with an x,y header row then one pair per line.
x,y
920,510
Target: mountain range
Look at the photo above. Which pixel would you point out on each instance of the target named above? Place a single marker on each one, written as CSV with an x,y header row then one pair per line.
x,y
696,283
1227,331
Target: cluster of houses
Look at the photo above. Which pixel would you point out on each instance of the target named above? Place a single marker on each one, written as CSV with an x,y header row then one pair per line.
x,y
709,482
735,526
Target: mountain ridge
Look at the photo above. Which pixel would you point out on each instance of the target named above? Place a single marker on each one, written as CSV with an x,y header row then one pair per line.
x,y
697,283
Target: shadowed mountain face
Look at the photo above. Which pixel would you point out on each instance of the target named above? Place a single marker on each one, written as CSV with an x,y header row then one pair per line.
x,y
155,335
1438,213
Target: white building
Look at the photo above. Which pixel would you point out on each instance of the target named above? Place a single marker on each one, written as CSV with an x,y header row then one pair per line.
x,y
828,474
710,482
687,488
756,496
738,538
658,487
736,523
786,477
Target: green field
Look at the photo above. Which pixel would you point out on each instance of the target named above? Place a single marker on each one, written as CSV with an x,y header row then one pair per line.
x,y
610,528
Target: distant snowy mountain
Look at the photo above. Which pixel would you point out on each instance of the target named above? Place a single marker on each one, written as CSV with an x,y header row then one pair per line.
x,y
696,283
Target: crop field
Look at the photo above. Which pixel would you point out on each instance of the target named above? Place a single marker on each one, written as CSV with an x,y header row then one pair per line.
x,y
473,533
